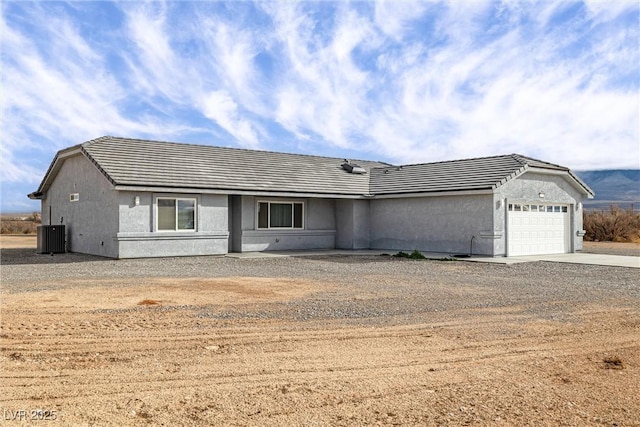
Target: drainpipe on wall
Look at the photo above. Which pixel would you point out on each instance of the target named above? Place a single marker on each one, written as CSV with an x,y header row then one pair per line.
x,y
471,246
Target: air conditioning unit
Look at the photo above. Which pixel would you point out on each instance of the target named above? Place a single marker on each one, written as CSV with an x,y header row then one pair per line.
x,y
51,239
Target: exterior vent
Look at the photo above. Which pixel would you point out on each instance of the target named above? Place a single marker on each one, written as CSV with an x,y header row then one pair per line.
x,y
353,168
50,239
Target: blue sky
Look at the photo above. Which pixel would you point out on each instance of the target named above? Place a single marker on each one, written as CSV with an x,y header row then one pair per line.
x,y
397,81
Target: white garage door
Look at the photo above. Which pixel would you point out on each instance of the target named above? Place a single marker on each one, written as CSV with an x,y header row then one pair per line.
x,y
538,229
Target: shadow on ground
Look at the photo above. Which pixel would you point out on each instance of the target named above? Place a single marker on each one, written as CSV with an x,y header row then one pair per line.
x,y
19,256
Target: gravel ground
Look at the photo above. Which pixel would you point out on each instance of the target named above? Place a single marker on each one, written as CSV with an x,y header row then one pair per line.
x,y
368,287
612,248
325,340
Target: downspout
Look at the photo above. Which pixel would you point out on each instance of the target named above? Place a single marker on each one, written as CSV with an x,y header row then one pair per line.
x,y
471,246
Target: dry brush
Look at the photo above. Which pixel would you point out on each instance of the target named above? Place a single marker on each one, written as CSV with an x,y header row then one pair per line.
x,y
614,225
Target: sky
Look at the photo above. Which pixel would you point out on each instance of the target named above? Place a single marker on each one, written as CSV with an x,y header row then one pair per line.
x,y
397,81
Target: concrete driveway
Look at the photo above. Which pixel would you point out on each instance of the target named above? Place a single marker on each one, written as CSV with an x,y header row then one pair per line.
x,y
576,258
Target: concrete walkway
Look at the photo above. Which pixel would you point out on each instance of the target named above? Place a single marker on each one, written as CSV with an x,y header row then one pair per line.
x,y
577,258
585,258
319,252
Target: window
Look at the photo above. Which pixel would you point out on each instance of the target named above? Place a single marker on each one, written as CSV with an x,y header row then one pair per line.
x,y
521,207
176,214
280,215
74,197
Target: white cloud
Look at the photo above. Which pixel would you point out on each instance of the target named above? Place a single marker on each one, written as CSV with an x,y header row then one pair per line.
x,y
211,78
400,81
157,70
58,90
13,170
323,90
393,17
234,53
463,21
517,93
547,120
526,90
219,106
606,10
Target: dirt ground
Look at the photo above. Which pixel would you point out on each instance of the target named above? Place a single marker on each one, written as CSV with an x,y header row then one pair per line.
x,y
90,351
612,248
12,241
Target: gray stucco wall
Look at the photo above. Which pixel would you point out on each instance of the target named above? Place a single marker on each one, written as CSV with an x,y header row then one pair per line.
x,y
352,224
92,221
433,224
138,236
319,231
527,189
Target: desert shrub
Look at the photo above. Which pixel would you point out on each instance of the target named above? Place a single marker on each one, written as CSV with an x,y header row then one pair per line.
x,y
614,225
35,217
416,255
18,227
413,255
401,254
20,224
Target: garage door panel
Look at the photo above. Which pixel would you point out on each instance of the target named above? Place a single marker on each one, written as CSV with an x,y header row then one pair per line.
x,y
543,230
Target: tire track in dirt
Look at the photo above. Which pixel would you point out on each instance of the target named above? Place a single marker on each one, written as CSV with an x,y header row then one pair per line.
x,y
169,365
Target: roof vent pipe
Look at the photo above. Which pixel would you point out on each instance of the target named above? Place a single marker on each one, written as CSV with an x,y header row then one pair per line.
x,y
353,168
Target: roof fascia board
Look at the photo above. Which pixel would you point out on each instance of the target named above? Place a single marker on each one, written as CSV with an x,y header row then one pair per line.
x,y
257,193
590,193
433,194
544,171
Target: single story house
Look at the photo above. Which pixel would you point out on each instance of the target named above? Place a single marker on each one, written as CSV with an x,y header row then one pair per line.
x,y
127,198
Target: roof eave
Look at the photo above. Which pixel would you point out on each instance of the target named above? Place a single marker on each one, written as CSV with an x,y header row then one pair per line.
x,y
437,193
588,191
238,192
36,195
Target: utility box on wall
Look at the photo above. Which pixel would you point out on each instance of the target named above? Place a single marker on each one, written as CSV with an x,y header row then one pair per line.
x,y
51,239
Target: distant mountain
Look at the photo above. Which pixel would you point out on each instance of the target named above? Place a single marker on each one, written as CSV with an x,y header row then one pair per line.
x,y
613,187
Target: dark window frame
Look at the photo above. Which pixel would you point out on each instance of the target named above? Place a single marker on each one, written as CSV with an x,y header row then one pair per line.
x,y
274,215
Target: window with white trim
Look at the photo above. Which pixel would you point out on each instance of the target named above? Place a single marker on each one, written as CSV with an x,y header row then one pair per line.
x,y
176,214
280,215
519,207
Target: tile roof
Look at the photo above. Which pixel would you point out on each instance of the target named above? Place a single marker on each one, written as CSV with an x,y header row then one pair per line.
x,y
139,162
144,163
484,173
